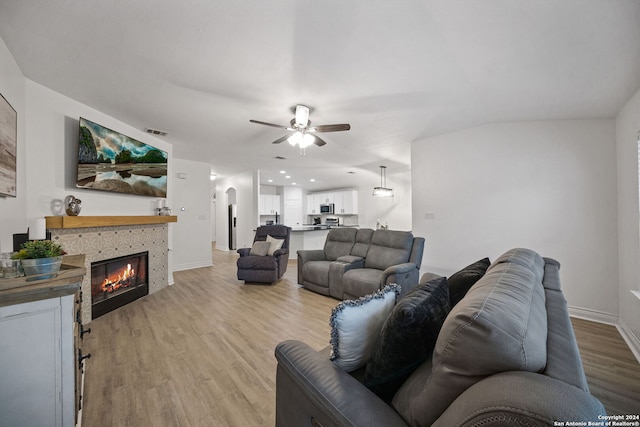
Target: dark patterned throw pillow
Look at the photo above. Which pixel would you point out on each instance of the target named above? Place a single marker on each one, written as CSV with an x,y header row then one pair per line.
x,y
408,337
463,280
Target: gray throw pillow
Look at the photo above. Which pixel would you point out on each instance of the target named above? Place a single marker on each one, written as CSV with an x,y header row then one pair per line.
x,y
408,337
260,248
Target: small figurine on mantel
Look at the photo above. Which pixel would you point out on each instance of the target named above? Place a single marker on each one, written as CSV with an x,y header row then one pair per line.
x,y
72,205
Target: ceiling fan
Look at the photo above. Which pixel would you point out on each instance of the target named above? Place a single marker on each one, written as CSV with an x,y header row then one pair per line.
x,y
303,133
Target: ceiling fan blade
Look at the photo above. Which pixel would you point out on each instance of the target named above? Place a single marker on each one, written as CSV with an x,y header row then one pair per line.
x,y
330,128
270,124
318,141
279,140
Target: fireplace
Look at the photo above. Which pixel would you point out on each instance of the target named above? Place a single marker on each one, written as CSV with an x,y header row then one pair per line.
x,y
118,281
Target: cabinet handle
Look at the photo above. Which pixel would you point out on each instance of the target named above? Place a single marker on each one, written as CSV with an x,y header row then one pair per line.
x,y
81,357
84,331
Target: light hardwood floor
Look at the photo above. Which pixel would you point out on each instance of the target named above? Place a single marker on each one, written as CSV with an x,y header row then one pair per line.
x,y
200,352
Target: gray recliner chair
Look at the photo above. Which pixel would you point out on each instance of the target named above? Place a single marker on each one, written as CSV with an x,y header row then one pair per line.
x,y
265,268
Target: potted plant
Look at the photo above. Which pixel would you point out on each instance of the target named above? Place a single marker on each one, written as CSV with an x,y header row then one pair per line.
x,y
40,257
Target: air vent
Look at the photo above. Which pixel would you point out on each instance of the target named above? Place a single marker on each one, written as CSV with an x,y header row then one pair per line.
x,y
156,132
280,158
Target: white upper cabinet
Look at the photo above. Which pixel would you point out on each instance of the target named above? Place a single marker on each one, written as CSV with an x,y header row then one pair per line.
x,y
269,204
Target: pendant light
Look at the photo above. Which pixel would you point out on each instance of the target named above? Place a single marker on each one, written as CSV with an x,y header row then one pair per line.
x,y
383,190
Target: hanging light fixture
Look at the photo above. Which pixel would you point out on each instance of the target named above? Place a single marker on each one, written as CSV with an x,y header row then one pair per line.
x,y
383,190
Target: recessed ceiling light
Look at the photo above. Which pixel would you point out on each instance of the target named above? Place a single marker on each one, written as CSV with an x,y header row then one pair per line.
x,y
312,180
293,183
287,176
269,180
283,171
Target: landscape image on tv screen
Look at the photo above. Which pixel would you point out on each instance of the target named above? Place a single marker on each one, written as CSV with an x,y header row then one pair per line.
x,y
111,161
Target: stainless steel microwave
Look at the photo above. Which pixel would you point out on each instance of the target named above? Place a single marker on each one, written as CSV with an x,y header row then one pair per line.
x,y
327,208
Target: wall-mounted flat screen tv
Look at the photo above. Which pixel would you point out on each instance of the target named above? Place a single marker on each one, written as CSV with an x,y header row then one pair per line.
x,y
111,161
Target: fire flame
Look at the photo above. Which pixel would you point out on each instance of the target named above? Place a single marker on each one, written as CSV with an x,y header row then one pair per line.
x,y
119,280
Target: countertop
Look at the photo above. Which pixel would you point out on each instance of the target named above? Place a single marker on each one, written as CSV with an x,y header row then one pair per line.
x,y
320,227
28,288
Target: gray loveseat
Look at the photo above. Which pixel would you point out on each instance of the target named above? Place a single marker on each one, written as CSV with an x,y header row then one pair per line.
x,y
506,355
357,262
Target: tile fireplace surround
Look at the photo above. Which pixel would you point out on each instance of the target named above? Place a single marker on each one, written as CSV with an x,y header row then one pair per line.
x,y
99,239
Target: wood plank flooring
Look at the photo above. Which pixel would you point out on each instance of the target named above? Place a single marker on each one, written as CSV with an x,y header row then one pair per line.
x,y
200,352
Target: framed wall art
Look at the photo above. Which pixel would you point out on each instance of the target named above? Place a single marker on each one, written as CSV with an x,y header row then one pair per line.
x,y
8,148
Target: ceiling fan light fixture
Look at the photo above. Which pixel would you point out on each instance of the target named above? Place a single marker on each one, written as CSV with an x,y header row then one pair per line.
x,y
302,115
295,139
383,190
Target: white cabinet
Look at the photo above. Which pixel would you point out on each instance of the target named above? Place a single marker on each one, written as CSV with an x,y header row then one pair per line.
x,y
346,202
313,203
269,204
37,363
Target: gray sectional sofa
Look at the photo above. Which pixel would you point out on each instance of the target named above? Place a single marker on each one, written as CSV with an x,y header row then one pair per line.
x,y
357,262
505,355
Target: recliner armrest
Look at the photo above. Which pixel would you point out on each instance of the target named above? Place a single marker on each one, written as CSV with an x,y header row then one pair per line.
x,y
508,396
400,268
309,387
311,255
244,251
280,252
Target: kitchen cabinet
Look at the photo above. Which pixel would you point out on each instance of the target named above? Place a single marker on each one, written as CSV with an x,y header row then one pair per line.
x,y
313,203
40,361
269,204
345,201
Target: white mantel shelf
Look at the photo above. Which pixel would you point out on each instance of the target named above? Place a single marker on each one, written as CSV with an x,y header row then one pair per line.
x,y
106,221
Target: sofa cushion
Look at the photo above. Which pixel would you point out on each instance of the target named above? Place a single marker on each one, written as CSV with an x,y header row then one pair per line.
x,y
389,247
363,240
361,281
408,337
355,326
339,242
500,325
260,248
461,281
317,272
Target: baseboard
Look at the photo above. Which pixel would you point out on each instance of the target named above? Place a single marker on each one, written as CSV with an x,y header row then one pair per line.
x,y
630,338
190,266
627,334
593,315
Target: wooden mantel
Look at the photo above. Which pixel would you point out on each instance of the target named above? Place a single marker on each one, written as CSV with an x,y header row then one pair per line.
x,y
106,221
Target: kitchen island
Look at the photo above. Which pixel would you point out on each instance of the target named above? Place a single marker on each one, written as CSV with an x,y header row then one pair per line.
x,y
309,237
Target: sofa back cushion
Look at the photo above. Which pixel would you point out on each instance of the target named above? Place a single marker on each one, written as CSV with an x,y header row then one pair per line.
x,y
389,247
363,240
339,242
500,325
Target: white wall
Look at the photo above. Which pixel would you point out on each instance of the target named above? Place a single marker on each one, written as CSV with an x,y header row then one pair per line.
x,y
52,139
12,209
246,186
549,186
627,128
191,203
394,211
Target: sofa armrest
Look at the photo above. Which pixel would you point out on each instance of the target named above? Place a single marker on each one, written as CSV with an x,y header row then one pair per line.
x,y
508,396
244,251
406,275
310,255
311,390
